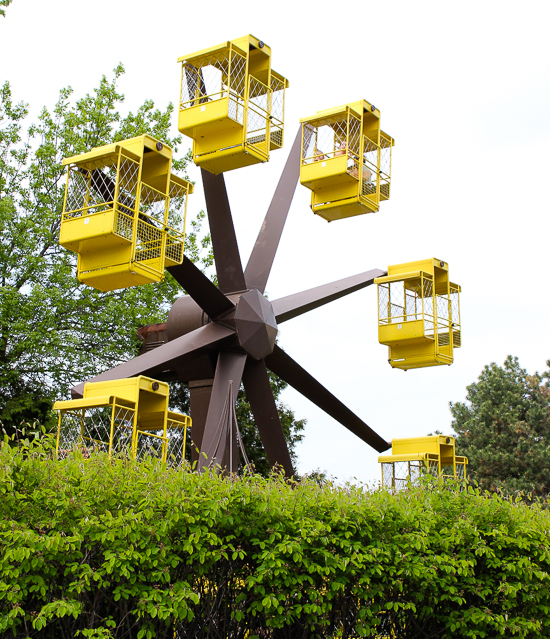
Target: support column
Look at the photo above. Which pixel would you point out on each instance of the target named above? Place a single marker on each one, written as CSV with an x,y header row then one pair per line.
x,y
200,391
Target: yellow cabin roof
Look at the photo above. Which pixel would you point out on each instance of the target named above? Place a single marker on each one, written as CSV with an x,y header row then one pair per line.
x,y
242,44
358,108
98,154
134,147
404,457
280,77
428,266
86,402
401,276
182,182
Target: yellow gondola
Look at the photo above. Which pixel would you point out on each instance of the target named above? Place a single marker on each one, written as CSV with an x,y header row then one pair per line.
x,y
124,213
415,456
123,416
232,104
419,314
346,161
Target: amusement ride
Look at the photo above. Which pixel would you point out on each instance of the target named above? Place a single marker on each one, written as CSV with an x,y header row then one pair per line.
x,y
124,215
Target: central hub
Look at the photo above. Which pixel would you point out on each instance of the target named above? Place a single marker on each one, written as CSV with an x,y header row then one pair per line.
x,y
255,324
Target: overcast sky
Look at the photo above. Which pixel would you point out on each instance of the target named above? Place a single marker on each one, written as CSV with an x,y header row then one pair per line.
x,y
464,88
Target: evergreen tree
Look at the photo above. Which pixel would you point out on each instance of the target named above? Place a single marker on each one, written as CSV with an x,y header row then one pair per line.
x,y
504,429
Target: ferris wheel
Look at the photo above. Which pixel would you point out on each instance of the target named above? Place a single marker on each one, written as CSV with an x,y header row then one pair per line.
x,y
124,215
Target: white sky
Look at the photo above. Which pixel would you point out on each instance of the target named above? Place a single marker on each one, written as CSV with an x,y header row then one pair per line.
x,y
464,88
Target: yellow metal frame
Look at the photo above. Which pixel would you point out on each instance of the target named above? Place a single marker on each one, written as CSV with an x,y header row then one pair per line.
x,y
419,314
346,161
123,416
122,213
232,104
414,456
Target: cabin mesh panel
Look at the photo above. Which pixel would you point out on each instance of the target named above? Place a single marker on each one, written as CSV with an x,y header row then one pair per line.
x,y
443,319
455,316
152,204
81,198
204,79
327,137
176,433
123,429
385,314
259,103
416,468
237,87
413,300
128,174
78,193
428,306
400,473
150,445
433,467
385,166
406,301
385,155
396,302
79,431
174,246
91,187
443,309
460,470
443,338
237,80
387,474
89,429
391,302
455,308
124,224
150,229
176,219
177,204
371,155
149,244
277,112
352,146
308,142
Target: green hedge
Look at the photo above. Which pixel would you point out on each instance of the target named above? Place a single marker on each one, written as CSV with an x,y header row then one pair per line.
x,y
119,549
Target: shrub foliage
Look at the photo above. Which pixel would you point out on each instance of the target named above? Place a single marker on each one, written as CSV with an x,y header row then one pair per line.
x,y
99,548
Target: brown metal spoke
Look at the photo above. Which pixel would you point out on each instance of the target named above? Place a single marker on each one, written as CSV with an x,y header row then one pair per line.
x,y
224,241
294,305
264,251
292,373
260,397
205,293
167,355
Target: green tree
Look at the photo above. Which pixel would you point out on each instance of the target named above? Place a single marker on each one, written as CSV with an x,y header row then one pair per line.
x,y
54,331
504,429
4,3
